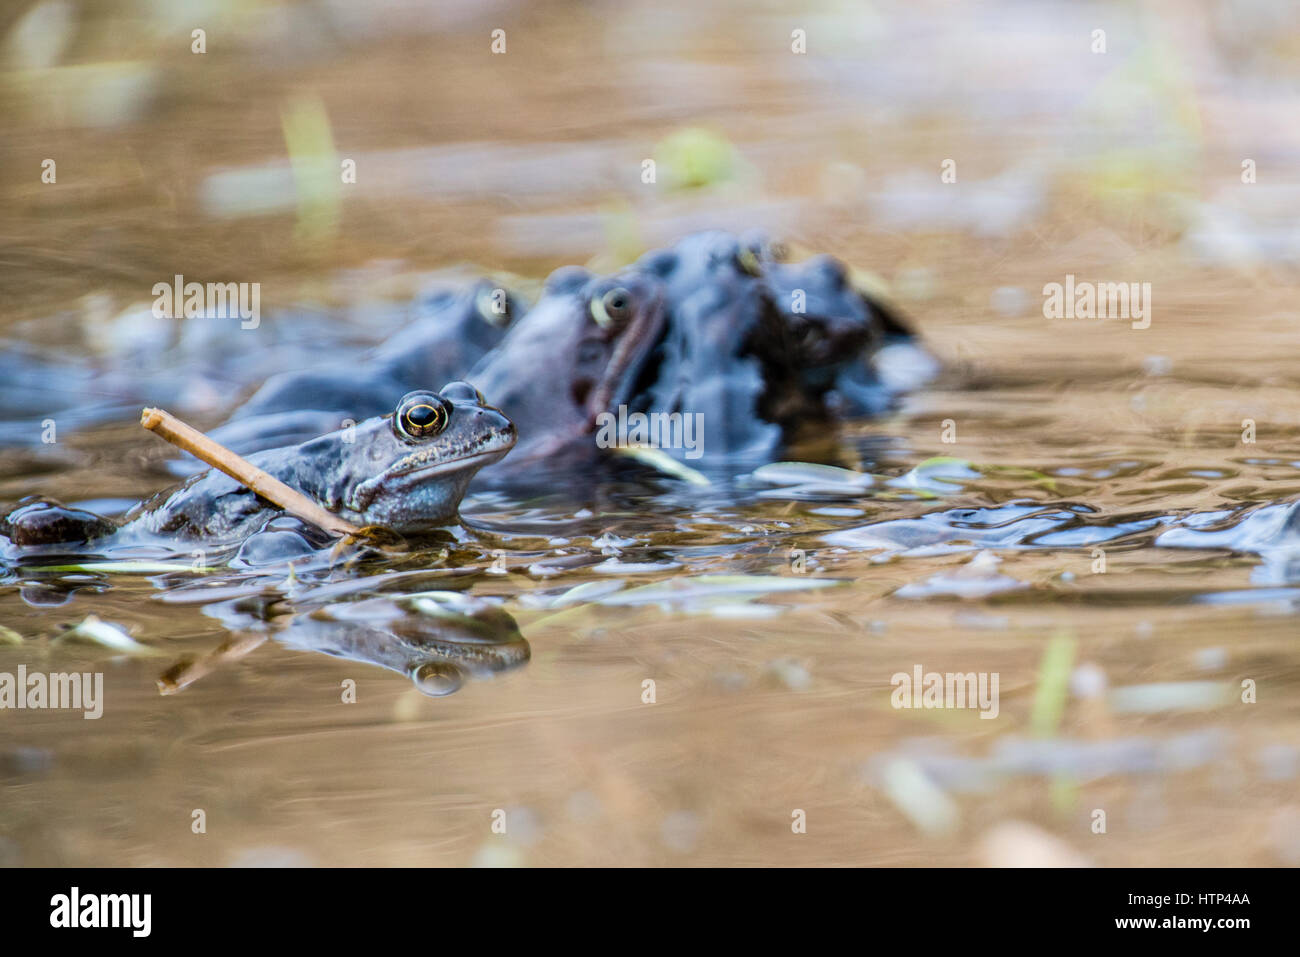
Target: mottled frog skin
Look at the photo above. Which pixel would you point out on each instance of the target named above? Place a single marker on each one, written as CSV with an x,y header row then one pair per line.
x,y
406,471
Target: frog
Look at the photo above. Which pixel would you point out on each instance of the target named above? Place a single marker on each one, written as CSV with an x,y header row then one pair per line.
x,y
575,355
761,348
706,364
453,329
406,471
850,352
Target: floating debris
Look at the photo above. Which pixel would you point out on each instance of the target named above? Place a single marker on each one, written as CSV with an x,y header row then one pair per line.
x,y
941,475
1170,696
127,568
663,462
920,800
811,478
107,635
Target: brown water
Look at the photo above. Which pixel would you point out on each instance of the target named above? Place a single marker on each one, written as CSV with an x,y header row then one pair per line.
x,y
1122,166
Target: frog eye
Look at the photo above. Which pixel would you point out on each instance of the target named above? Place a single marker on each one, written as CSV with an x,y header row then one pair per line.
x,y
421,414
495,306
458,391
747,261
613,308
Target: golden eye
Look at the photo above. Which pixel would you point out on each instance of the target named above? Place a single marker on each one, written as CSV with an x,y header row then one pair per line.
x,y
747,261
421,414
613,308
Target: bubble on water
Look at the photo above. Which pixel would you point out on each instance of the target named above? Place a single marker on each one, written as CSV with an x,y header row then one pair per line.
x,y
438,679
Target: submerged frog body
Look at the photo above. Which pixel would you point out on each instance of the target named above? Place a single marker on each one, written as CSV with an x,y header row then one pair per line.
x,y
406,471
575,354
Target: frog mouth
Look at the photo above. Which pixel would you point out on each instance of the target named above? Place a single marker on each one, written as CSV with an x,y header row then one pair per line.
x,y
415,470
484,450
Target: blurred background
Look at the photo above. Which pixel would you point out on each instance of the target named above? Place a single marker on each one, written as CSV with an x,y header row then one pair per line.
x,y
225,165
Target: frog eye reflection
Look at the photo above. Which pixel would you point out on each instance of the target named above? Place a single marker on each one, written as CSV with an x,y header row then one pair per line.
x,y
613,308
495,306
747,261
420,415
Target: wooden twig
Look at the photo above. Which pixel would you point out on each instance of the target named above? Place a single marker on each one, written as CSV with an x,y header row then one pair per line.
x,y
243,471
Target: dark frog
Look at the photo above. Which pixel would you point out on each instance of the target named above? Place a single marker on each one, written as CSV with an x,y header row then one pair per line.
x,y
844,350
406,471
707,364
575,355
758,349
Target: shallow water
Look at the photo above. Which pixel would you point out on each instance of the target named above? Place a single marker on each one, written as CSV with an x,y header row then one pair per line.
x,y
1107,546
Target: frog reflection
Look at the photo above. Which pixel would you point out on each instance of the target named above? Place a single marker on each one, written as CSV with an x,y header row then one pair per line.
x,y
437,639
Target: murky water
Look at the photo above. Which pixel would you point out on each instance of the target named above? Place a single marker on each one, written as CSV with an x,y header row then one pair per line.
x,y
1091,511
